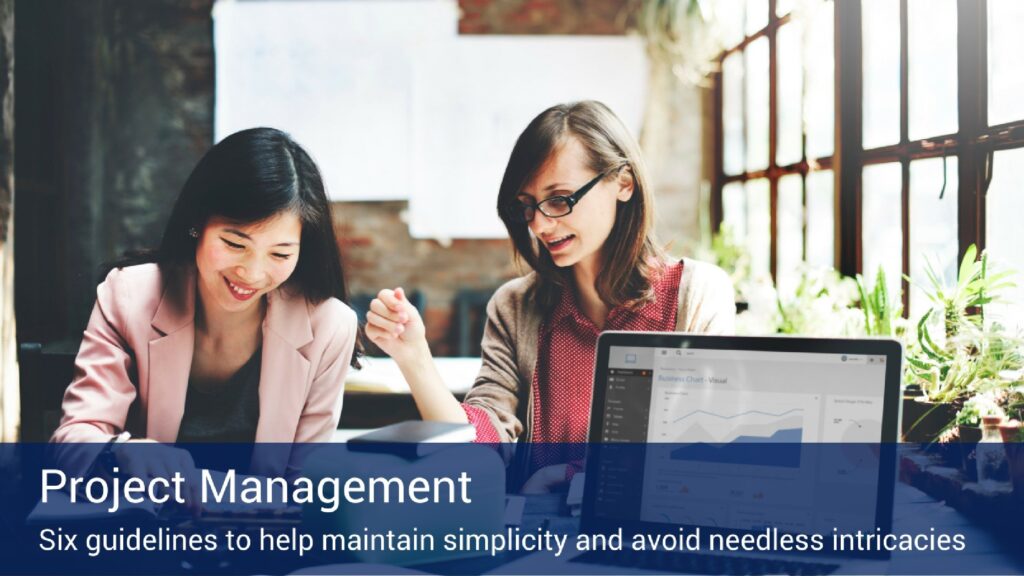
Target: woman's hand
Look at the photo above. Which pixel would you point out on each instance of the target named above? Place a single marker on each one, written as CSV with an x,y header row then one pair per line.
x,y
544,480
395,326
146,459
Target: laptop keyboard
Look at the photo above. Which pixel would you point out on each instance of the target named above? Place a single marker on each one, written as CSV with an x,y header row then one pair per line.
x,y
694,563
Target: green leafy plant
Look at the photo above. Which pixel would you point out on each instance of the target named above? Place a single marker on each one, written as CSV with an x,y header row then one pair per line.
x,y
955,358
729,254
962,303
984,404
682,36
881,313
821,305
1014,402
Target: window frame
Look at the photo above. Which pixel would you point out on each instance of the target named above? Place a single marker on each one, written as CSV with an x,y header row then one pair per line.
x,y
973,144
774,172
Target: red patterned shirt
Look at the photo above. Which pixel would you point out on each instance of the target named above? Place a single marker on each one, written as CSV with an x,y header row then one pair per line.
x,y
563,380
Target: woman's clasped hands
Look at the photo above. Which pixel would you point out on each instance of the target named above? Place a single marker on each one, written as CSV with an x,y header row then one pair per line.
x,y
395,326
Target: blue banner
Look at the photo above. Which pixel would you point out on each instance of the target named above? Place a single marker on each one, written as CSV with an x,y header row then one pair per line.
x,y
739,507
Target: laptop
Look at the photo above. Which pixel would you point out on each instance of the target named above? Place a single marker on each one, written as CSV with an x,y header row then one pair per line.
x,y
744,438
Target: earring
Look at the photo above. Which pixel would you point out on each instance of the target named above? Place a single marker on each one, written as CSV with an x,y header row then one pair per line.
x,y
193,233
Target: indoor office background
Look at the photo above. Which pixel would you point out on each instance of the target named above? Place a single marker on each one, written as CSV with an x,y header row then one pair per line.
x,y
780,134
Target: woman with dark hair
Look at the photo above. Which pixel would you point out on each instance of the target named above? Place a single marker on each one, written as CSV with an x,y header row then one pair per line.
x,y
235,328
578,207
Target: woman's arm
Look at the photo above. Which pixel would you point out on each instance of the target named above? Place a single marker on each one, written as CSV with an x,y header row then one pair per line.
x,y
395,326
491,405
322,409
707,300
96,403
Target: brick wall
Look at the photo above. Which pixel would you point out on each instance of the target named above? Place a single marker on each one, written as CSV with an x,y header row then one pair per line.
x,y
595,17
115,101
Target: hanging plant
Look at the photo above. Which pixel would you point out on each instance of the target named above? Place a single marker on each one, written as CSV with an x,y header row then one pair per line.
x,y
682,35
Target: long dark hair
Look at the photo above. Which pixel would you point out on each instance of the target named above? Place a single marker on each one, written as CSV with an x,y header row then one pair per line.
x,y
632,253
248,177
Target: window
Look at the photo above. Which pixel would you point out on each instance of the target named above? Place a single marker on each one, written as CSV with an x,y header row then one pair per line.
x,y
776,112
1005,208
930,132
910,122
1004,129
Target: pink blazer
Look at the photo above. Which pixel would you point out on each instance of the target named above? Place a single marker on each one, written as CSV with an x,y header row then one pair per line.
x,y
137,350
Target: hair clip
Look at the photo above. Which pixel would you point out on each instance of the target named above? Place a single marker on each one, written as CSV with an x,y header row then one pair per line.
x,y
193,232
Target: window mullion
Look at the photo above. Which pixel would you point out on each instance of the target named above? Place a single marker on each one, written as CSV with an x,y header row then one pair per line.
x,y
773,136
718,156
904,140
849,101
972,95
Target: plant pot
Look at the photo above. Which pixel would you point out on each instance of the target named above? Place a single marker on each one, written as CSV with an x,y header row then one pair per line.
x,y
1013,441
964,447
924,422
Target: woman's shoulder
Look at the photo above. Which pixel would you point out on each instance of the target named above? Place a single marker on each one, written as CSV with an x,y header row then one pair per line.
x,y
700,274
140,276
516,295
132,287
707,300
331,315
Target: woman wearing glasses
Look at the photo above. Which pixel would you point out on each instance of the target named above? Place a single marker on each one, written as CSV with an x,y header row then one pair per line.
x,y
577,204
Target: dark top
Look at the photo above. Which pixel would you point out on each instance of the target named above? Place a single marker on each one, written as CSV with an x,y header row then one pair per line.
x,y
225,412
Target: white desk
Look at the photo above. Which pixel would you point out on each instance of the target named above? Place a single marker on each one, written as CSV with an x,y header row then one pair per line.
x,y
378,394
382,376
342,435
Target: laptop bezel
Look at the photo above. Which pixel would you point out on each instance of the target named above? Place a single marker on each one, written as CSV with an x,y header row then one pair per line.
x,y
891,349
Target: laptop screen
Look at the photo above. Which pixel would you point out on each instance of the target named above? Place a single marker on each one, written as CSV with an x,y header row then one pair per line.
x,y
741,439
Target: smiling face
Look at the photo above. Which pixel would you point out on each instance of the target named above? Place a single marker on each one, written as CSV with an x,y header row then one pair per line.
x,y
578,237
239,263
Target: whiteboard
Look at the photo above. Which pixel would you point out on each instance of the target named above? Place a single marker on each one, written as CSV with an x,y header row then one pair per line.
x,y
337,76
476,95
394,105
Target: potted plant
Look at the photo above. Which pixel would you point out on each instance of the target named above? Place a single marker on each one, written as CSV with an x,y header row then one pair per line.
x,y
882,314
964,437
822,304
954,356
1012,432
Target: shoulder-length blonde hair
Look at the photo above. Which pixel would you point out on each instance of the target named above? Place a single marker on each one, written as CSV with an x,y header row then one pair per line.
x,y
631,254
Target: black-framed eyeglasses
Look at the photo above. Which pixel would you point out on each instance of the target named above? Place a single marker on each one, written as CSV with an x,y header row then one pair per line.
x,y
555,206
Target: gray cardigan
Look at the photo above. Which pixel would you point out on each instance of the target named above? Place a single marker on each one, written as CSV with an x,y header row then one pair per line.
x,y
509,345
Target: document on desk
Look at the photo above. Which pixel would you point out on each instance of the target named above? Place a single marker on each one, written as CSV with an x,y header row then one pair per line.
x,y
514,507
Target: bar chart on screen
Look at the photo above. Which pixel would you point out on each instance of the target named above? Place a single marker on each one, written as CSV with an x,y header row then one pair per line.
x,y
685,416
713,454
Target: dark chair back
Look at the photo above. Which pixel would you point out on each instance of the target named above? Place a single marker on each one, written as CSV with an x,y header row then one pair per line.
x,y
361,303
46,370
470,318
